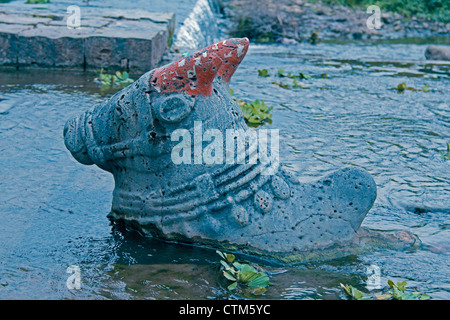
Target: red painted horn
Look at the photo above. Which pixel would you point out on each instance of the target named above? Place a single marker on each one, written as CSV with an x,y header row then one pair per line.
x,y
194,74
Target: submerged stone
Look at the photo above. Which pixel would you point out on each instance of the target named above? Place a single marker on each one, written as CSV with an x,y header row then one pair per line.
x,y
251,206
437,53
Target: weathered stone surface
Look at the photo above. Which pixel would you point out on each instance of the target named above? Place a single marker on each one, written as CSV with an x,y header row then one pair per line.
x,y
254,207
437,53
110,39
298,19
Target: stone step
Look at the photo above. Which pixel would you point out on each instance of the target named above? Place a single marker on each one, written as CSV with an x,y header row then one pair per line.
x,y
132,40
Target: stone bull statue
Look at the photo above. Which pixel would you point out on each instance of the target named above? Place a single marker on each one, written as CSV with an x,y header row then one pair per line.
x,y
253,207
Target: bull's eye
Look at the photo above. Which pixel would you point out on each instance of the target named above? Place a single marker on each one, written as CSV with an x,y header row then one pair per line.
x,y
175,109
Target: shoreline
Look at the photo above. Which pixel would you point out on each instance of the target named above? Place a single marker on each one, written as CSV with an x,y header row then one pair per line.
x,y
293,21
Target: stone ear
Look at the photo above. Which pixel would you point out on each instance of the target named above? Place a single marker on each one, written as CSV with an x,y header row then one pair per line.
x,y
175,109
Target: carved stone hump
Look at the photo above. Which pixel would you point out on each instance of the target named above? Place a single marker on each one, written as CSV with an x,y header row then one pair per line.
x,y
188,168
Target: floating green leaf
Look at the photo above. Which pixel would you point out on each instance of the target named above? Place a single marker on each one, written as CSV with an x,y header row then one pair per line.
x,y
281,85
264,73
261,281
37,1
446,155
402,87
280,73
354,293
243,274
290,75
229,276
400,285
256,112
232,286
119,79
296,84
302,75
398,292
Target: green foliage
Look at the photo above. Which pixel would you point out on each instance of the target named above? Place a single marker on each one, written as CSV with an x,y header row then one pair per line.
x,y
397,292
264,73
314,38
446,155
281,84
402,87
354,293
242,274
290,75
119,79
256,112
37,1
296,84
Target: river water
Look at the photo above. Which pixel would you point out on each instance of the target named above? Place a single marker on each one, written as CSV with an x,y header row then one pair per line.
x,y
347,113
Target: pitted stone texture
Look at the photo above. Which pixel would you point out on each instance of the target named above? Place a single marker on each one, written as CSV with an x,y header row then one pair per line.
x,y
280,188
219,205
240,214
264,201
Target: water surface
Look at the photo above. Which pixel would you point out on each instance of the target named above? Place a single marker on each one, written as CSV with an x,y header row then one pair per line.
x,y
54,209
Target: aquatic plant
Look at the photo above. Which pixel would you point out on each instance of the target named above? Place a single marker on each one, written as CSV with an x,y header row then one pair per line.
x,y
295,85
243,274
119,79
37,1
281,84
314,38
397,292
290,75
354,293
446,155
256,112
402,87
264,73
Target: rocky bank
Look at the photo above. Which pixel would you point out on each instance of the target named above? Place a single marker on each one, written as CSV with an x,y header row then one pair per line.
x,y
291,21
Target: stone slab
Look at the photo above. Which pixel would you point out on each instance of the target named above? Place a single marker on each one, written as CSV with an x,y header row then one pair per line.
x,y
112,39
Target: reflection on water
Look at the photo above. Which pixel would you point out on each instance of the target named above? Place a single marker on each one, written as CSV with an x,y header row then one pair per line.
x,y
54,209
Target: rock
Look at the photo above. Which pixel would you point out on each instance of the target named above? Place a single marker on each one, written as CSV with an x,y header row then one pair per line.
x,y
287,41
335,21
437,53
169,189
105,39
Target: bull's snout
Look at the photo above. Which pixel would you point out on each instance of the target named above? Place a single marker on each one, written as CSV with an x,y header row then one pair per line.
x,y
74,139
